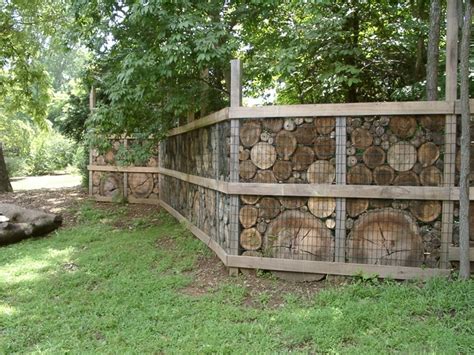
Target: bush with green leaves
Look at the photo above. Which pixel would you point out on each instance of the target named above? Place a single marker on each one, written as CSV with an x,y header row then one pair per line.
x,y
50,151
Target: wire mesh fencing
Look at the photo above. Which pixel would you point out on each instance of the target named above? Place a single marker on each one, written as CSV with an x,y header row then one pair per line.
x,y
370,151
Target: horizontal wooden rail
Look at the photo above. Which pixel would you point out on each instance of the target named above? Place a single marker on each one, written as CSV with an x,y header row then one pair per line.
x,y
208,120
335,268
305,266
346,191
131,199
209,183
318,190
212,244
353,109
124,169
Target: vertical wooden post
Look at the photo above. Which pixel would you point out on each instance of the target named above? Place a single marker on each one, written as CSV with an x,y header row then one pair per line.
x,y
340,241
125,175
464,179
215,160
92,102
450,129
235,101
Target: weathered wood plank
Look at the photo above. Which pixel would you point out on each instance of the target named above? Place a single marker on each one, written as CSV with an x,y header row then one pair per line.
x,y
125,169
196,180
450,128
350,109
307,190
340,237
347,191
92,102
131,199
216,248
209,120
235,101
125,175
335,268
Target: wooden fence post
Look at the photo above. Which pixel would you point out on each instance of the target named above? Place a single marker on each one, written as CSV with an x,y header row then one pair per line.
x,y
235,101
450,129
125,175
92,102
340,241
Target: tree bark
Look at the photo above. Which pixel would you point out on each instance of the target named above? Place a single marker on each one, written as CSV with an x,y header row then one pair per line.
x,y
5,185
464,262
433,52
22,223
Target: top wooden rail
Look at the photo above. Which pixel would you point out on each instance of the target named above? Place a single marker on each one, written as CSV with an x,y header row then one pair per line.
x,y
326,110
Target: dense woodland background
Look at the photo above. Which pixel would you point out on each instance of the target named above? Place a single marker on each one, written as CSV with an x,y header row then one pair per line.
x,y
154,63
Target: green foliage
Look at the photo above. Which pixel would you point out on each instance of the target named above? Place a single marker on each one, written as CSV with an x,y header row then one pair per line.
x,y
80,161
50,151
129,281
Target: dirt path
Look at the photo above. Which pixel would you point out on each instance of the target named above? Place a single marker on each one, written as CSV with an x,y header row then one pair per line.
x,y
45,182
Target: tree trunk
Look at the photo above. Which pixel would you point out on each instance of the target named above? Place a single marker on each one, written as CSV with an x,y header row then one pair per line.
x,y
433,52
464,265
5,185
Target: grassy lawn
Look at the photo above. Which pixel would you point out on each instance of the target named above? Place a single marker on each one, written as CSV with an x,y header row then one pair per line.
x,y
119,288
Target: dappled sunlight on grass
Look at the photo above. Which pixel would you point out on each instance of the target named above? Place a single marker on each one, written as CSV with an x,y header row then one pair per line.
x,y
31,268
6,310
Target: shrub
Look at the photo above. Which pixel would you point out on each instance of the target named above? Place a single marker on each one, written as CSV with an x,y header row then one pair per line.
x,y
50,151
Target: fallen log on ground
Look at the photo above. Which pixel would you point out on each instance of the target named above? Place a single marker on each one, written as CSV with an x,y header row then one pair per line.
x,y
20,223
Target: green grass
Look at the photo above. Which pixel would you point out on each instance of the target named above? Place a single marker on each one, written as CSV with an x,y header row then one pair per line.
x,y
95,288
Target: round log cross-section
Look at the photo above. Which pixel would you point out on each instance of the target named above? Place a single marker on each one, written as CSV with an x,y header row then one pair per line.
x,y
359,175
249,199
285,143
383,175
247,169
111,185
268,207
425,211
282,169
403,126
273,124
250,133
406,178
263,155
248,216
325,125
373,157
299,235
428,153
431,176
385,237
141,184
321,172
305,134
325,147
402,156
250,239
302,158
361,138
356,206
433,123
265,177
321,207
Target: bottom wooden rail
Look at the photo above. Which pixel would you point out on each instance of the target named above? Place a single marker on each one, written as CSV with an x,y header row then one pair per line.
x,y
130,199
335,268
213,245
